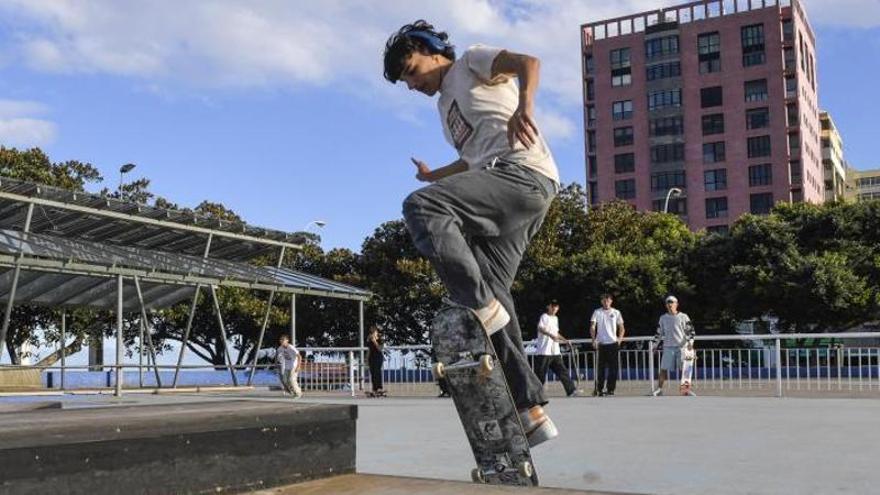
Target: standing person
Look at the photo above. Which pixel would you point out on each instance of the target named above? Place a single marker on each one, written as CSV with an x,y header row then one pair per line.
x,y
547,354
476,218
287,358
375,356
607,331
676,330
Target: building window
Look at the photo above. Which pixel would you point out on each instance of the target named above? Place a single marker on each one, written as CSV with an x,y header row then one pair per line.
x,y
760,175
753,45
623,136
621,71
591,90
664,99
758,146
756,90
677,206
794,143
709,49
663,181
625,189
624,163
591,115
715,180
718,229
795,172
788,31
667,126
713,152
591,141
791,115
592,165
665,153
663,71
713,124
758,118
711,97
760,204
594,192
589,64
621,110
716,207
790,87
659,47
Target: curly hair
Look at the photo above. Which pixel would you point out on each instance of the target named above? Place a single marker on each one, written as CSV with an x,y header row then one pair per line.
x,y
418,36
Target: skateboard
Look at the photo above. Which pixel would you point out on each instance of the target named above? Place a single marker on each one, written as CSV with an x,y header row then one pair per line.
x,y
377,394
467,360
688,358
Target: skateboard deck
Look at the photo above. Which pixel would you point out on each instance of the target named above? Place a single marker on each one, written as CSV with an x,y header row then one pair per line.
x,y
464,355
688,357
377,394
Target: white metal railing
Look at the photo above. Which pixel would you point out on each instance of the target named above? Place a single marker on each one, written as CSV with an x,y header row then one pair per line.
x,y
752,365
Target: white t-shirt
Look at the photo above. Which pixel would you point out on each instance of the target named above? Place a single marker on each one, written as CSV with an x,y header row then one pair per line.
x,y
606,322
287,356
474,114
545,345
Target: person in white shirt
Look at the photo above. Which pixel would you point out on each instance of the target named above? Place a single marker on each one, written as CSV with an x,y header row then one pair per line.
x,y
476,217
675,331
547,354
287,358
607,331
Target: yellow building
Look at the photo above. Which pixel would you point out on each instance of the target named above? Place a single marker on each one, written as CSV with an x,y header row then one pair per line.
x,y
832,160
863,185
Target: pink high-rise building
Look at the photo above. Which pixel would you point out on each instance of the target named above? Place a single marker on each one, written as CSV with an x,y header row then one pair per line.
x,y
712,104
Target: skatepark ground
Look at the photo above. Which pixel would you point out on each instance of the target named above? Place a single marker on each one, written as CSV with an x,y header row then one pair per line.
x,y
662,445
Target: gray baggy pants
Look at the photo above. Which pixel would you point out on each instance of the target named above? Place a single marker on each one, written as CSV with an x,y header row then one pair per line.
x,y
474,227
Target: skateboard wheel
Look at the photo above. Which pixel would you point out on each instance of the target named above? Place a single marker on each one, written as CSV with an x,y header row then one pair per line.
x,y
438,371
486,364
525,469
477,475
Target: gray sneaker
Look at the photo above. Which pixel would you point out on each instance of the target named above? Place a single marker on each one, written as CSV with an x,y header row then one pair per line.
x,y
538,426
657,392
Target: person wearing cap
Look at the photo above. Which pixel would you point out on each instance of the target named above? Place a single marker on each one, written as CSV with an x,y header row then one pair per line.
x,y
607,331
675,330
548,354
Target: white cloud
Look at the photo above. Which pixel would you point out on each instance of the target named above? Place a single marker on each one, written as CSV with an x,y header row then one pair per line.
x,y
19,128
283,44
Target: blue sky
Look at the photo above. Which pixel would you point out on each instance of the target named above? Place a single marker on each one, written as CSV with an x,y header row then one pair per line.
x,y
278,110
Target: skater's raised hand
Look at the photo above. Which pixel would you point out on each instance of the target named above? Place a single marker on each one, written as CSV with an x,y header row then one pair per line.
x,y
424,171
521,127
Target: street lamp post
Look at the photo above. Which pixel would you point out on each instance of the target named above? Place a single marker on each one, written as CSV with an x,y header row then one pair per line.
x,y
672,192
317,223
128,167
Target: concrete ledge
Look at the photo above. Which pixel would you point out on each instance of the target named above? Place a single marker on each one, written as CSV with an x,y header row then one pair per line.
x,y
229,446
20,378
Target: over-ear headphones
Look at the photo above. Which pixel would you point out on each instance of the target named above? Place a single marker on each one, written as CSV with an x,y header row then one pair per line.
x,y
434,42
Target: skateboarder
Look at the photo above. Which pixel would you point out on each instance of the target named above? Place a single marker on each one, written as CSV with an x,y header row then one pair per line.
x,y
476,218
287,358
676,331
548,354
607,331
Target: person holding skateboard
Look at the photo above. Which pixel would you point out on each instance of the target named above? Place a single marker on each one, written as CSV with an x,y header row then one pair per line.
x,y
548,354
675,331
607,331
287,358
477,216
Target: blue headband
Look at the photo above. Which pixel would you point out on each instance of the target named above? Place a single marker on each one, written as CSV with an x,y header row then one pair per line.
x,y
432,40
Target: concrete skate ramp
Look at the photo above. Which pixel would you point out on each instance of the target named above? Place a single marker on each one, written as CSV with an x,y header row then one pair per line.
x,y
369,484
208,447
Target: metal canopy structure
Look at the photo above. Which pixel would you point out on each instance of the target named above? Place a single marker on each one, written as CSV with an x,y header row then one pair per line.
x,y
64,248
97,218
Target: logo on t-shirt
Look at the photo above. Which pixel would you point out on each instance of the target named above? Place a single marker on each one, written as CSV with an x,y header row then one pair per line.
x,y
460,129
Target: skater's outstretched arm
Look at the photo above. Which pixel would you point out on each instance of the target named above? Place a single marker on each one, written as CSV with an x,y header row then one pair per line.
x,y
425,174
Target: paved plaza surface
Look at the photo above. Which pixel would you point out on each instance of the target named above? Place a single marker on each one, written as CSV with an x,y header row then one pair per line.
x,y
663,445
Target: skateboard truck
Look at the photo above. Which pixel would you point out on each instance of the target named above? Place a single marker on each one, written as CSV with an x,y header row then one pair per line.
x,y
524,469
485,365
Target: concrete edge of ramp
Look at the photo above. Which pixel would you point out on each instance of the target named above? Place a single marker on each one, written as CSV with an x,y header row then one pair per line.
x,y
374,484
